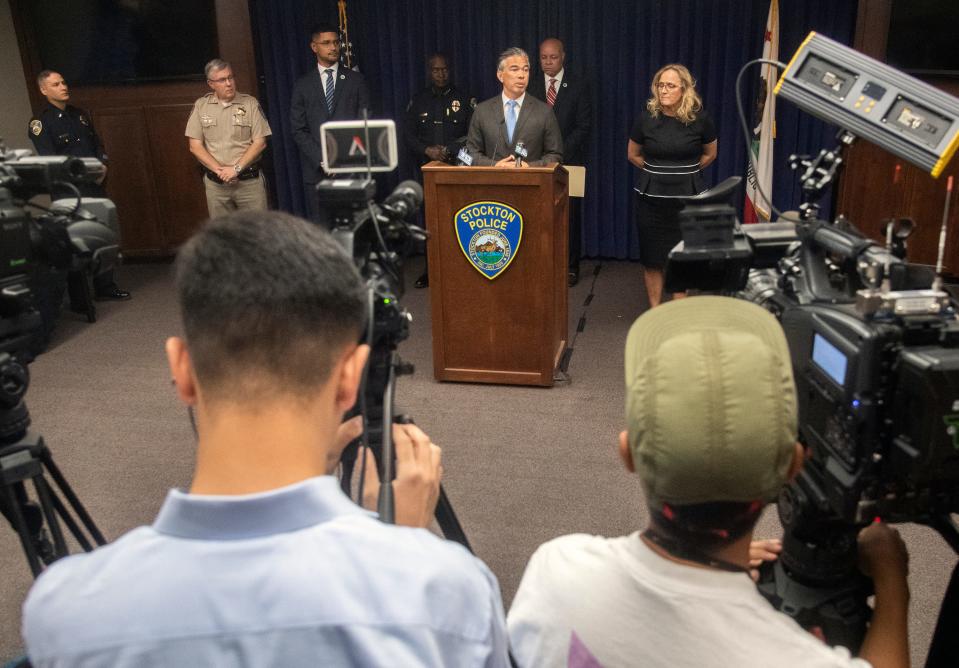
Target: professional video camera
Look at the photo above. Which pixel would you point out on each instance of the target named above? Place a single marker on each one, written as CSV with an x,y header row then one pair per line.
x,y
66,238
874,341
30,249
379,237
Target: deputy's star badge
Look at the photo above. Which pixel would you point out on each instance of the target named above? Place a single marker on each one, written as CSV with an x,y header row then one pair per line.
x,y
36,127
455,106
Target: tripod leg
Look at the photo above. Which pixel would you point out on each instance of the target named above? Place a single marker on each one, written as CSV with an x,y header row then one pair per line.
x,y
43,493
20,524
71,496
449,523
71,523
347,463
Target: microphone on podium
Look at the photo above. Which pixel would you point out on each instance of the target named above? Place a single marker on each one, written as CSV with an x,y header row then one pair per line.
x,y
520,152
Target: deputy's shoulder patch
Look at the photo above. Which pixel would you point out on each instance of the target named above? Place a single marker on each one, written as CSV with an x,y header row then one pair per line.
x,y
36,127
83,119
472,103
489,234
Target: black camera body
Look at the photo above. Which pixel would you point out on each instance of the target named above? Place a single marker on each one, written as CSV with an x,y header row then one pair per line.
x,y
36,252
877,410
875,357
379,238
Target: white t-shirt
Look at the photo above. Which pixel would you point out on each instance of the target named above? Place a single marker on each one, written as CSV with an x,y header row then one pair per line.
x,y
588,601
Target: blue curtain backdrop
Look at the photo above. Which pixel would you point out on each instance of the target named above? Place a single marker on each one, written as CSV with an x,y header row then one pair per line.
x,y
619,44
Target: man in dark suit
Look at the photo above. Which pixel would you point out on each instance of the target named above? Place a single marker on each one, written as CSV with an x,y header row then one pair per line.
x,y
571,100
500,123
328,93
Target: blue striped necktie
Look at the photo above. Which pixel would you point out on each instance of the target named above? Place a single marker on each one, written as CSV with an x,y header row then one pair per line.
x,y
329,90
510,119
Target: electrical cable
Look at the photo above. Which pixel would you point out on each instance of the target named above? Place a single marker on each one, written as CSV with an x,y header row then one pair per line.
x,y
744,125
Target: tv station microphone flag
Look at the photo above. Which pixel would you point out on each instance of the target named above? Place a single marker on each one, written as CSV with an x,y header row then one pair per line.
x,y
756,207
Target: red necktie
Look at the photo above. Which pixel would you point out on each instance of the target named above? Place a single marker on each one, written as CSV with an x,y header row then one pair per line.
x,y
551,93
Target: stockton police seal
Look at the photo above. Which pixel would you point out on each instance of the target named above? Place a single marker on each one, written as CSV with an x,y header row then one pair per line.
x,y
489,234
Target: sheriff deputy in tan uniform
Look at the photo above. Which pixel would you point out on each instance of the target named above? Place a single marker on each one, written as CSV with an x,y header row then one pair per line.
x,y
227,133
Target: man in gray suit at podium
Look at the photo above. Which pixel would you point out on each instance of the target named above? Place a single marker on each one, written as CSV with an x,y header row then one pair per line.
x,y
514,120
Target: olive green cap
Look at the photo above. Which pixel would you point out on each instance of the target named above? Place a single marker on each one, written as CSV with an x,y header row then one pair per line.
x,y
710,402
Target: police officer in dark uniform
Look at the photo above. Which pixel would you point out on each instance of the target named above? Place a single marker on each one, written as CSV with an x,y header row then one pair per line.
x,y
437,120
62,129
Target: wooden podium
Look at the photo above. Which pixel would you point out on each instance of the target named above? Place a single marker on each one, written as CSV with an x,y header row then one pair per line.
x,y
511,329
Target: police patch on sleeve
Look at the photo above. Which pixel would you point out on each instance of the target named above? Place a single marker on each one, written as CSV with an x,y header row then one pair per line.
x,y
489,234
36,127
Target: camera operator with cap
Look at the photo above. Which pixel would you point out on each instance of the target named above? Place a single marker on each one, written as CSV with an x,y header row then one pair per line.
x,y
711,432
264,561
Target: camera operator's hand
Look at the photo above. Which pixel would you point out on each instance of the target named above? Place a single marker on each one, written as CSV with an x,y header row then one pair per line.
x,y
345,433
882,554
883,557
760,551
416,488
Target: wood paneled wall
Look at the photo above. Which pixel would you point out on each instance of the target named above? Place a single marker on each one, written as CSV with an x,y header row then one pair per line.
x,y
155,182
869,192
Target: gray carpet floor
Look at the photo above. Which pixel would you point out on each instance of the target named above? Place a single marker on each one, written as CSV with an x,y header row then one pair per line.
x,y
546,466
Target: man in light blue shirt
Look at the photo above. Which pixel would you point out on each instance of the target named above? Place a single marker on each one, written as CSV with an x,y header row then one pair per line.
x,y
264,561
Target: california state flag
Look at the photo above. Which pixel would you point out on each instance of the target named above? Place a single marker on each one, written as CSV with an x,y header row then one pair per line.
x,y
764,128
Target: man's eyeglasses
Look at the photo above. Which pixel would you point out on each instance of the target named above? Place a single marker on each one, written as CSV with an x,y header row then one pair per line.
x,y
222,79
665,85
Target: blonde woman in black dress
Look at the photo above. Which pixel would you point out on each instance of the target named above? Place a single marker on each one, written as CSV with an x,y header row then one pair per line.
x,y
671,142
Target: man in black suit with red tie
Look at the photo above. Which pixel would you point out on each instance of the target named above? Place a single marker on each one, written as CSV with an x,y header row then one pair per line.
x,y
571,100
330,92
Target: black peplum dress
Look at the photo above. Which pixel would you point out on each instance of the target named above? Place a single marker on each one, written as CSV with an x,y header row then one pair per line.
x,y
671,151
